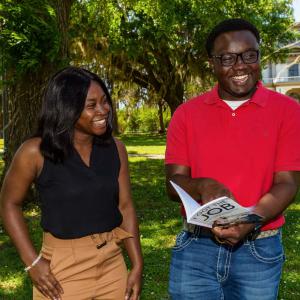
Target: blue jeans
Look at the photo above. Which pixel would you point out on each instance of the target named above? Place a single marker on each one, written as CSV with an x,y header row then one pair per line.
x,y
202,269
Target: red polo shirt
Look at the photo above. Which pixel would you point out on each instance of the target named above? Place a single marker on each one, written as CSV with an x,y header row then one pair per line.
x,y
240,148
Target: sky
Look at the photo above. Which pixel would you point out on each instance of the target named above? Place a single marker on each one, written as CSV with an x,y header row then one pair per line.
x,y
296,5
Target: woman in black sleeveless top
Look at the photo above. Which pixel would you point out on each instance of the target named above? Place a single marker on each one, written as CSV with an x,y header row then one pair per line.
x,y
81,174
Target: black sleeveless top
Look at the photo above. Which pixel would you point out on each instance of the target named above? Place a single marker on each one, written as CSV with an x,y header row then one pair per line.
x,y
77,200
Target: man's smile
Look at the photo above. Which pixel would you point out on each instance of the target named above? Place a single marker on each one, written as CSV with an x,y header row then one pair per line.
x,y
240,79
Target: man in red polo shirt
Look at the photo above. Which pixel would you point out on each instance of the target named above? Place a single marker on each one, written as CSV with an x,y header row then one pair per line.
x,y
239,140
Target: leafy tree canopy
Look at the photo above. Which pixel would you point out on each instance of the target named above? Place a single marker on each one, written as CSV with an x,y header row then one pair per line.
x,y
159,44
29,35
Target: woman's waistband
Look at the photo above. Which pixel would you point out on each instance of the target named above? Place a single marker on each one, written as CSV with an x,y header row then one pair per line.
x,y
98,238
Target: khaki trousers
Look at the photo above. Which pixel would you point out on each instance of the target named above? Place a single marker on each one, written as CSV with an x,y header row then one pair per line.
x,y
87,268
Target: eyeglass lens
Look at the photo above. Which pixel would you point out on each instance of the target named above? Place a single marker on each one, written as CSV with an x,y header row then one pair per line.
x,y
248,57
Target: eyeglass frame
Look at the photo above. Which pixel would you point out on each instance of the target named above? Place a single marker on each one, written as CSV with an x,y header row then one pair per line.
x,y
237,56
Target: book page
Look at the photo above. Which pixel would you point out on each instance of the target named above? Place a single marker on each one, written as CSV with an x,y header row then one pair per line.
x,y
207,214
190,205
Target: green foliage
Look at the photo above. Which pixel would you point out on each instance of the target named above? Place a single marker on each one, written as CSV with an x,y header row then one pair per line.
x,y
142,119
133,122
159,44
149,120
29,35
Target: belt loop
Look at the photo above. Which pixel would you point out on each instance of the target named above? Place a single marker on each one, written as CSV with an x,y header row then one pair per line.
x,y
102,237
197,230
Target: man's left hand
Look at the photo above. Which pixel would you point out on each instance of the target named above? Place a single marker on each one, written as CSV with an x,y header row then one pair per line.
x,y
232,235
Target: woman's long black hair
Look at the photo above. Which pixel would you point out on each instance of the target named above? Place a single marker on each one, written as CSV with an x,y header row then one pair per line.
x,y
63,102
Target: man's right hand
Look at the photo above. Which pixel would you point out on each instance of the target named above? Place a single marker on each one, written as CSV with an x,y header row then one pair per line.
x,y
210,189
45,281
204,189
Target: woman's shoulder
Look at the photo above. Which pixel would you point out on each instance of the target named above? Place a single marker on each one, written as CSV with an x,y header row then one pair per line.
x,y
28,157
30,151
121,148
31,146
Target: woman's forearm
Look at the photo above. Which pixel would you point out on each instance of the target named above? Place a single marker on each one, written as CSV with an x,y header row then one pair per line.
x,y
132,245
16,228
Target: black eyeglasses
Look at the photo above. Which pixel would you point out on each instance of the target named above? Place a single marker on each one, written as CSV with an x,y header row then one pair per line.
x,y
230,59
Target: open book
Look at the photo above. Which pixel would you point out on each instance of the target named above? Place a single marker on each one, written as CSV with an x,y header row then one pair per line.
x,y
222,211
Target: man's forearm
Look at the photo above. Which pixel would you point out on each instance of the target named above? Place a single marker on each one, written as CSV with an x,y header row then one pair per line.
x,y
272,204
185,182
204,189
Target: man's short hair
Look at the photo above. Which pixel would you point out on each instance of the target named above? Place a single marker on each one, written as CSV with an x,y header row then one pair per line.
x,y
226,26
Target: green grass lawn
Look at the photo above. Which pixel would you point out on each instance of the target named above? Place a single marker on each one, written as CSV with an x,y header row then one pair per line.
x,y
145,144
159,223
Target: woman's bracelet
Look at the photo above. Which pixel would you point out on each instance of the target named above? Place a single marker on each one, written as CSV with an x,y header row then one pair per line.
x,y
33,263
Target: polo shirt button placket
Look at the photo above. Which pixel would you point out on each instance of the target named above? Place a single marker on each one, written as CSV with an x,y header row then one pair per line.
x,y
233,114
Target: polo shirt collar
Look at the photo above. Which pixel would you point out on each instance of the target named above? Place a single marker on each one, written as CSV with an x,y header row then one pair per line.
x,y
259,97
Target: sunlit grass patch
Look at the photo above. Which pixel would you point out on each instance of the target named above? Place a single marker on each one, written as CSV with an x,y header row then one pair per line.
x,y
32,212
144,144
12,282
146,150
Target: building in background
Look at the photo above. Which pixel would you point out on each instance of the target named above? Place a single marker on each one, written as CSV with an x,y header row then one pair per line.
x,y
285,77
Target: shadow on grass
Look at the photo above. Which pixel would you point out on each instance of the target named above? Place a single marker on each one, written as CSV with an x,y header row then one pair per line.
x,y
159,222
290,283
14,282
143,140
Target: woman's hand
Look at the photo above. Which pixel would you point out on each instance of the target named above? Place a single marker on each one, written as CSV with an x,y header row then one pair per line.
x,y
134,285
44,280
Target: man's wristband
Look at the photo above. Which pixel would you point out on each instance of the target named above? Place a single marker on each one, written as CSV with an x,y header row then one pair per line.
x,y
255,232
33,263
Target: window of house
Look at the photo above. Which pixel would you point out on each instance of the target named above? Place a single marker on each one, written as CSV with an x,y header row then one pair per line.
x,y
294,70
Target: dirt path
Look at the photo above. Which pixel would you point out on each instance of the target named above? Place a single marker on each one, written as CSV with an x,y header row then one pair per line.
x,y
151,156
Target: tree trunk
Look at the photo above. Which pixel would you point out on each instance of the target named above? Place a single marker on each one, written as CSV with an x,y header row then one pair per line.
x,y
174,95
110,85
161,117
24,101
115,119
63,9
25,95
